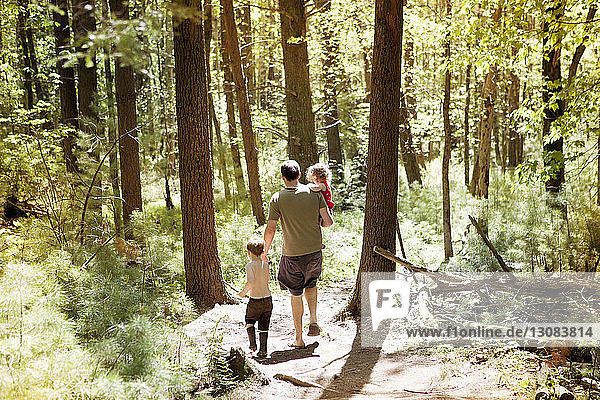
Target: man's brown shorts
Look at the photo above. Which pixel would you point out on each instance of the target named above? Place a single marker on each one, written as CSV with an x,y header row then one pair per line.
x,y
299,272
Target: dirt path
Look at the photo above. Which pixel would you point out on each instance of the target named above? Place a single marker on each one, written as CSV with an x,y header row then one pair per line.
x,y
344,370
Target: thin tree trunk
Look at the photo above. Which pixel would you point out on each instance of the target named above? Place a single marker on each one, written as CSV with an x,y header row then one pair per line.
x,y
331,76
515,142
230,106
367,73
39,89
26,60
128,128
382,157
246,51
448,252
466,123
244,111
220,151
204,282
302,141
582,46
68,94
113,161
84,23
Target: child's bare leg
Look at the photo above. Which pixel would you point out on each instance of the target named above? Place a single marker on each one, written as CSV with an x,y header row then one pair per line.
x,y
297,311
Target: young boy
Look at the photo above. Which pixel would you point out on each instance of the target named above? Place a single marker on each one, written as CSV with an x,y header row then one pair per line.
x,y
260,304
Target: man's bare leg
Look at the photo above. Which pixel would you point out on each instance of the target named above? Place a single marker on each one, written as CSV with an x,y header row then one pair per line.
x,y
297,311
311,300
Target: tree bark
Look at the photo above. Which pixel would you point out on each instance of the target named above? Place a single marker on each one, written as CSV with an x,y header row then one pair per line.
x,y
582,46
409,157
553,105
39,89
204,282
382,157
68,94
466,123
302,141
244,111
230,108
515,142
128,128
331,76
26,60
448,252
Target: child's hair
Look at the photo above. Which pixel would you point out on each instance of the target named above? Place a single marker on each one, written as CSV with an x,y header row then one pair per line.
x,y
320,172
256,245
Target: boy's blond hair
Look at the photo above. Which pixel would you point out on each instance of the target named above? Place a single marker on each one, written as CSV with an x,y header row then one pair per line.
x,y
320,171
256,245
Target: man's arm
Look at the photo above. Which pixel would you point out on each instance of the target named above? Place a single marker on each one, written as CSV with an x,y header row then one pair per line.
x,y
268,237
327,219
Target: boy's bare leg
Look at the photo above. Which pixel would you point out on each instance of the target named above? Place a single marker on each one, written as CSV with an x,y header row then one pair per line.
x,y
297,311
311,300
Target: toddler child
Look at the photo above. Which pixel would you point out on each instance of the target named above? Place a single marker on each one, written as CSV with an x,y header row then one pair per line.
x,y
319,176
260,304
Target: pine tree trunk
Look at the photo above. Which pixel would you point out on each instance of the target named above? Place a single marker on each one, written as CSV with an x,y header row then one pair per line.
x,y
204,282
220,150
68,94
230,106
246,50
466,123
84,23
382,157
448,252
128,128
331,76
553,109
302,141
250,150
39,89
515,143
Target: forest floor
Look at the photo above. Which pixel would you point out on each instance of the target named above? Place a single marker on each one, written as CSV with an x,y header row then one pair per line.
x,y
343,369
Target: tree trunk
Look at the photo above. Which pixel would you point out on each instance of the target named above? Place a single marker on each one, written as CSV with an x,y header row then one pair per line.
x,y
84,22
367,73
515,142
230,106
244,111
466,122
39,89
68,94
246,50
128,127
220,151
26,60
302,141
382,157
448,252
411,101
113,161
204,282
409,157
553,105
331,76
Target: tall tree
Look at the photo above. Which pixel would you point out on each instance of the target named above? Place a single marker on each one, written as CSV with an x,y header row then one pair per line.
x,y
382,157
84,23
204,282
302,141
246,50
554,106
125,95
113,161
228,88
68,94
22,14
448,252
331,75
244,111
481,169
515,141
466,122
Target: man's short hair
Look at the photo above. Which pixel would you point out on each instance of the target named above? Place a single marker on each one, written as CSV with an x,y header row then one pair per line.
x,y
256,245
290,170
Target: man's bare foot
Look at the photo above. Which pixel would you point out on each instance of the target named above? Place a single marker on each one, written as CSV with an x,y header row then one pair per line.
x,y
298,345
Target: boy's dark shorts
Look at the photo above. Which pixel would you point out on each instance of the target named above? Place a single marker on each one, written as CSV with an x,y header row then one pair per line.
x,y
299,272
259,310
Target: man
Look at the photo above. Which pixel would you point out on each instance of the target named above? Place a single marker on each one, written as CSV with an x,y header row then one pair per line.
x,y
302,213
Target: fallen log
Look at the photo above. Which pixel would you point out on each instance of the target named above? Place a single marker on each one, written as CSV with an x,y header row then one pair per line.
x,y
297,382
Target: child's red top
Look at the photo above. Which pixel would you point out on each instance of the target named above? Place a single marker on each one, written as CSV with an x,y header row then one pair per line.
x,y
327,195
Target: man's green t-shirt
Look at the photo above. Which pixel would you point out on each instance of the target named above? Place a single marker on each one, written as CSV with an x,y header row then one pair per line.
x,y
298,208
